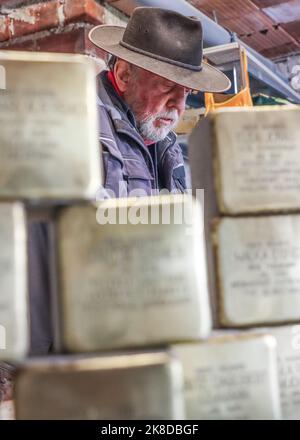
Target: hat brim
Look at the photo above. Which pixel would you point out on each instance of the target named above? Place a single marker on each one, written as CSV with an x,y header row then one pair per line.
x,y
209,79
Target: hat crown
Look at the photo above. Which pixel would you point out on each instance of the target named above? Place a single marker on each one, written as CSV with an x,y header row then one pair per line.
x,y
165,35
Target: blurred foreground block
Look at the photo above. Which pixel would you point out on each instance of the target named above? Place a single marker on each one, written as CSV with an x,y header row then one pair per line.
x,y
14,326
48,141
131,284
7,410
121,387
288,351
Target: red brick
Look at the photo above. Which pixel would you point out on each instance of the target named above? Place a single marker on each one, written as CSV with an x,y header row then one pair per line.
x,y
71,41
34,18
83,10
47,15
9,4
28,45
66,42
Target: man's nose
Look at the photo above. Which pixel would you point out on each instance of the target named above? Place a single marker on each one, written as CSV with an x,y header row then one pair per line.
x,y
178,98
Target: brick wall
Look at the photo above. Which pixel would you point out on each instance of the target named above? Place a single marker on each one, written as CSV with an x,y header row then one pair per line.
x,y
54,25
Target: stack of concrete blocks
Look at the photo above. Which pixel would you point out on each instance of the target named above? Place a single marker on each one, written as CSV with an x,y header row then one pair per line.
x,y
42,164
129,293
248,162
117,286
160,319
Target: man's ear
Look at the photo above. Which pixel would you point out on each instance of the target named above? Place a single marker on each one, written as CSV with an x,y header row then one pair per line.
x,y
122,73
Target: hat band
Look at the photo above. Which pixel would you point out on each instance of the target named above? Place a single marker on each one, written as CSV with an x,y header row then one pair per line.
x,y
158,57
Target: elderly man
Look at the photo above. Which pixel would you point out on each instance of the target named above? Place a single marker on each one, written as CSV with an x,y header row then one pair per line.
x,y
157,61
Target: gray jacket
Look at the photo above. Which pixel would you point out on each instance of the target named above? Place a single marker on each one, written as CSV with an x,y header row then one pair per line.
x,y
128,166
128,163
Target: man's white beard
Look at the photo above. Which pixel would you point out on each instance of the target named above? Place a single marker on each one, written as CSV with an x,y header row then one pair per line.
x,y
150,132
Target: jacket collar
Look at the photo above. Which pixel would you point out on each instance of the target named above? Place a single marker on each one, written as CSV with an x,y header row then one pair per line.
x,y
115,98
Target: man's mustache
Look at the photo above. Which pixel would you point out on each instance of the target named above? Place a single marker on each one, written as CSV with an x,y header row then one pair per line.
x,y
168,114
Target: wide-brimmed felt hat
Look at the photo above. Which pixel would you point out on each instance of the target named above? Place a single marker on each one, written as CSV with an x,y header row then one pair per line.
x,y
163,42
